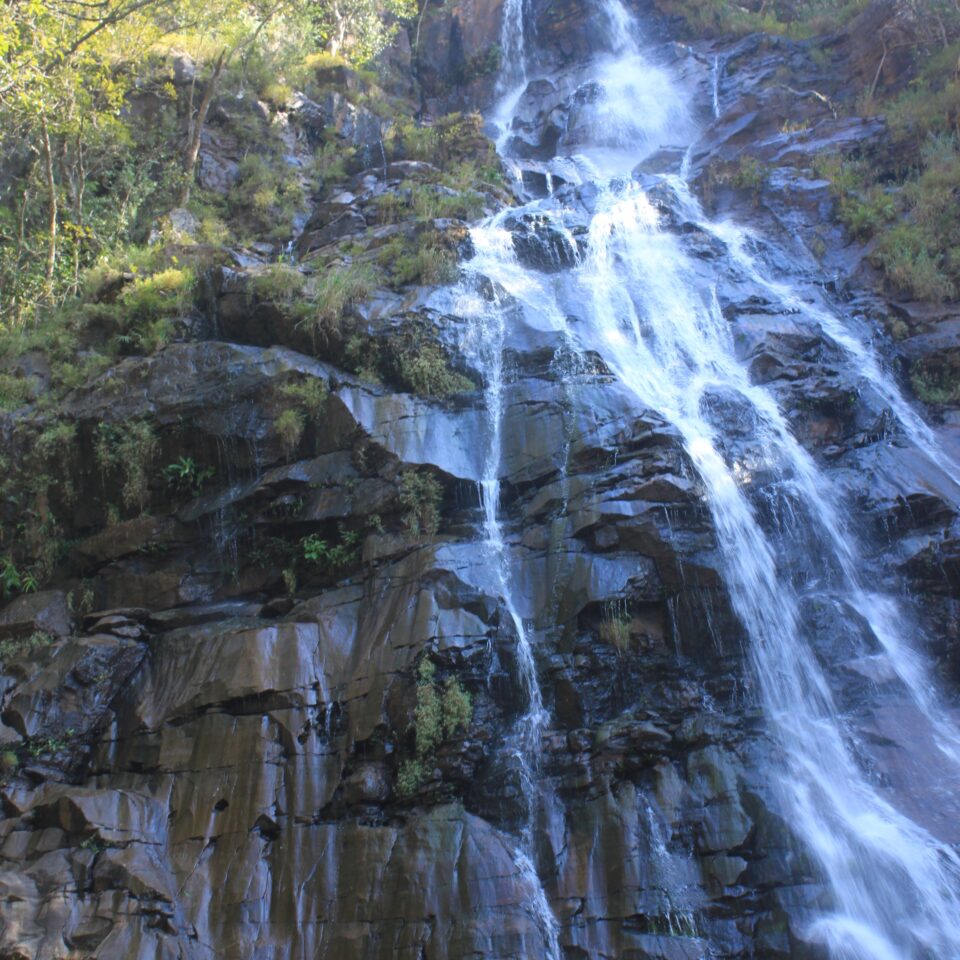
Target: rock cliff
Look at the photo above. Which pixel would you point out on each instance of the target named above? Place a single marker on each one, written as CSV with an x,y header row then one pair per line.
x,y
214,711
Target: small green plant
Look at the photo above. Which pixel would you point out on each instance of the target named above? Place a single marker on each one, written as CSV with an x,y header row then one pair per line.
x,y
83,599
53,440
332,556
936,380
14,580
279,283
9,763
409,777
339,288
330,163
184,475
750,175
11,579
290,425
309,395
157,297
94,843
420,496
428,713
615,625
128,449
457,707
423,368
45,746
266,195
11,649
436,715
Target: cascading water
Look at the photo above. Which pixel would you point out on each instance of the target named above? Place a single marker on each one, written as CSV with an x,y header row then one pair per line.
x,y
486,346
488,350
648,312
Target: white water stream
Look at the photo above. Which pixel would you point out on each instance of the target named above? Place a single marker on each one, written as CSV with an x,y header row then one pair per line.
x,y
645,308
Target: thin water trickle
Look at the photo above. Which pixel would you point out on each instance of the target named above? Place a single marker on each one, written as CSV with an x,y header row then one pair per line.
x,y
644,308
715,76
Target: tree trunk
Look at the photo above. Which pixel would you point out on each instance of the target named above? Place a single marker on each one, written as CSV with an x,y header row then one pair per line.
x,y
192,150
51,205
21,242
416,42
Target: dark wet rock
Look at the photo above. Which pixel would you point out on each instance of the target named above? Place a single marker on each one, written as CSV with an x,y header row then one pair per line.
x,y
47,612
335,115
71,694
540,245
330,223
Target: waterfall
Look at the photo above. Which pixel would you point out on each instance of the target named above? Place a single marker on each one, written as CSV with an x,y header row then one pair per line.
x,y
716,73
486,345
646,309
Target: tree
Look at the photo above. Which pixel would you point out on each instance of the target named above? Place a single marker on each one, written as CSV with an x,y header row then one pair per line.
x,y
358,30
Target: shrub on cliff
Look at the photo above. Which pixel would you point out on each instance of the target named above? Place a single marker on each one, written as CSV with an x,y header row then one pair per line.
x,y
437,714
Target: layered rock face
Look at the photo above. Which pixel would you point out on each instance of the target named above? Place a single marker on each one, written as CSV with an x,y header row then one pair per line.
x,y
217,719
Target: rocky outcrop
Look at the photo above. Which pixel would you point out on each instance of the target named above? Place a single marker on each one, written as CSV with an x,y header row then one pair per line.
x,y
209,720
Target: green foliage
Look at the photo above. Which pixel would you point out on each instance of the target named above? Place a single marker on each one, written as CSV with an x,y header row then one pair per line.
x,y
337,289
424,369
750,175
332,557
94,844
330,163
421,259
290,425
467,175
428,713
616,632
266,195
21,648
184,475
930,104
457,707
616,624
14,580
483,64
409,777
915,224
420,497
936,379
310,395
431,201
54,440
452,139
9,763
308,399
44,746
358,30
279,283
136,293
98,138
14,391
409,358
128,449
795,18
869,212
162,294
437,715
